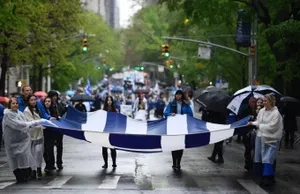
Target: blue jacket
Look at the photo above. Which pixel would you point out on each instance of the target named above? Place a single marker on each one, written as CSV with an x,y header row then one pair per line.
x,y
1,112
160,104
23,104
172,108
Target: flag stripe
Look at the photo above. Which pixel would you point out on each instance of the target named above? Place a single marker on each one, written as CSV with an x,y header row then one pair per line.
x,y
113,130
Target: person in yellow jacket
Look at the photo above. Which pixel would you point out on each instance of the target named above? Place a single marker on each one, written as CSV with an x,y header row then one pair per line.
x,y
32,113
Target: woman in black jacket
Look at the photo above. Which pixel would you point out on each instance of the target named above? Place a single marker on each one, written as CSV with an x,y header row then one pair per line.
x,y
109,107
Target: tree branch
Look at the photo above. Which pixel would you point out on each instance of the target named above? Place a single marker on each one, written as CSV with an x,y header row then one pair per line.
x,y
245,2
266,12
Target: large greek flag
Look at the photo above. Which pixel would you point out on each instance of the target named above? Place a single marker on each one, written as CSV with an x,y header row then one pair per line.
x,y
114,130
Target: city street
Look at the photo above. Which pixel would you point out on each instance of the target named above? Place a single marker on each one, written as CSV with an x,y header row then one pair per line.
x,y
152,173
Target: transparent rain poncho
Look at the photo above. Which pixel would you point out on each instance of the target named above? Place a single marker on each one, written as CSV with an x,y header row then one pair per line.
x,y
17,140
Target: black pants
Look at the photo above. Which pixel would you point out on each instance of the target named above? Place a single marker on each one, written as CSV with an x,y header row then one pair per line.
x,y
218,150
248,148
51,139
289,137
105,155
22,175
0,137
176,156
159,113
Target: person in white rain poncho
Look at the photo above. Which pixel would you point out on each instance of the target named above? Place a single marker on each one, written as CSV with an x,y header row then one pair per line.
x,y
140,108
17,141
269,126
32,113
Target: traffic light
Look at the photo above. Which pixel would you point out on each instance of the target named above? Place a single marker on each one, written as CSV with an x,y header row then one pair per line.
x,y
139,68
84,45
111,69
169,64
98,67
165,50
253,50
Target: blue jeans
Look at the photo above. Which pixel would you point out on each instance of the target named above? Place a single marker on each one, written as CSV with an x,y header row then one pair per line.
x,y
265,154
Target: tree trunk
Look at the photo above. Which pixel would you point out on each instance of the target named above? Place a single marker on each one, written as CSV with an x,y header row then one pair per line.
x,y
40,78
34,85
4,68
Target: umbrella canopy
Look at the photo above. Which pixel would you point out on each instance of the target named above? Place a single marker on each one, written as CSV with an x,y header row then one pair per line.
x,y
40,93
82,97
290,104
141,91
4,99
116,89
241,97
289,99
213,99
70,93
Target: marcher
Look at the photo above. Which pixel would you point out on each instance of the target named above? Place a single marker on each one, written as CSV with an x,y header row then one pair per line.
x,y
23,99
57,110
178,106
139,108
81,107
189,97
118,101
32,113
17,141
290,126
160,106
269,126
109,107
1,117
247,135
220,118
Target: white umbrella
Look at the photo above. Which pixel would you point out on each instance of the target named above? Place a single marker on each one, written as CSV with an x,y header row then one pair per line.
x,y
241,95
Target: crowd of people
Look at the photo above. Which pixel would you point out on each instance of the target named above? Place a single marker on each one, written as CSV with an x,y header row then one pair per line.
x,y
28,143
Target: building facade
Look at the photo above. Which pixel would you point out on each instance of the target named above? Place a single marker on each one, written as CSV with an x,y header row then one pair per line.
x,y
108,9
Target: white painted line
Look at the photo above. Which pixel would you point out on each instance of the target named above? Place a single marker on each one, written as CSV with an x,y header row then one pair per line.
x,y
160,183
251,186
58,182
6,184
110,182
2,165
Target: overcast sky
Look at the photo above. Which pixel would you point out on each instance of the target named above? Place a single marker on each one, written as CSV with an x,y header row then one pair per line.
x,y
127,10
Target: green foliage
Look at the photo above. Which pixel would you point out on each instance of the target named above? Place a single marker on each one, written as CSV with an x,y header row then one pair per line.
x,y
278,38
36,32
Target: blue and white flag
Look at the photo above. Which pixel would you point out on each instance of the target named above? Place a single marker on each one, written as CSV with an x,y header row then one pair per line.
x,y
88,87
114,130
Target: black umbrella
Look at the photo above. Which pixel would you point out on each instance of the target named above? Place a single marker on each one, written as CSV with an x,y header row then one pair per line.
x,y
213,99
82,97
289,99
290,104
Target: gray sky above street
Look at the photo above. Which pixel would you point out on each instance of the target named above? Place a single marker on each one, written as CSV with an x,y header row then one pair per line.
x,y
127,10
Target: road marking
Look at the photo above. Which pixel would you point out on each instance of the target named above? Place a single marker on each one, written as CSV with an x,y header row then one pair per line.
x,y
251,186
2,165
160,183
58,182
110,182
6,184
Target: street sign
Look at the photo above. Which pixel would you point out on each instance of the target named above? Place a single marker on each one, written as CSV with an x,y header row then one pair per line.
x,y
204,53
161,69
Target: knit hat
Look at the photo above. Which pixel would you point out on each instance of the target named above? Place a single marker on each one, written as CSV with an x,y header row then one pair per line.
x,y
52,93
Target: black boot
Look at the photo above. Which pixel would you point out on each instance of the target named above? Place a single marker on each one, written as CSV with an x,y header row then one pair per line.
x,y
19,176
211,159
39,173
33,175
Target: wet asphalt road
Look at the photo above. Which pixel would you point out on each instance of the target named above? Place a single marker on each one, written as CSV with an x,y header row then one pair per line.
x,y
152,173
